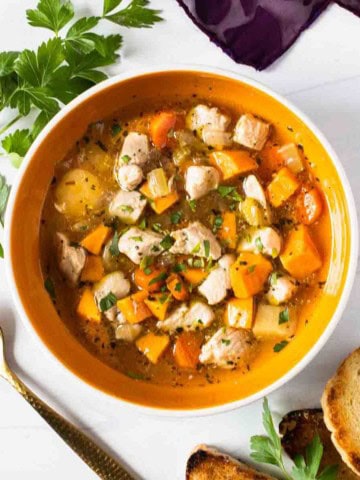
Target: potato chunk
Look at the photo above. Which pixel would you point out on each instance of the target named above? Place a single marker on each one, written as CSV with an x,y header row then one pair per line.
x,y
274,322
77,193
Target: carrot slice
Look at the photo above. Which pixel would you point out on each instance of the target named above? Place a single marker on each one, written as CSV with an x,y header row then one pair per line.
x,y
87,308
232,163
177,287
93,270
249,274
282,187
309,205
96,239
150,279
159,204
187,350
133,307
153,346
160,126
194,275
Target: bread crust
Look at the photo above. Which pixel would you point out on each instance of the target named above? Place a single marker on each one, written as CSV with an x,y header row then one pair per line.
x,y
207,463
341,405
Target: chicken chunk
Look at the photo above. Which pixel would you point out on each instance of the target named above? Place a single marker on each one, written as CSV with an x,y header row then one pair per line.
x,y
216,138
265,240
197,316
129,176
253,189
201,180
196,240
215,287
128,206
282,288
137,243
229,348
251,132
114,283
135,150
71,259
203,116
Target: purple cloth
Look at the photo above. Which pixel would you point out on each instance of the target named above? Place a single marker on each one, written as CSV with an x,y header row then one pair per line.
x,y
257,32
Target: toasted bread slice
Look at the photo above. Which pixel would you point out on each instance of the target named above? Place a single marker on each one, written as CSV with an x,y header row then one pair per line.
x,y
209,464
341,405
299,428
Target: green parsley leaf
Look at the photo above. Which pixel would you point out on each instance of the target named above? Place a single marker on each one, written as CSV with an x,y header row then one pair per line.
x,y
4,195
178,287
157,227
167,242
251,268
50,287
136,15
258,244
107,302
126,208
218,221
280,346
1,251
142,224
196,249
273,278
162,276
229,191
176,217
135,376
146,262
284,316
115,129
179,267
192,205
79,38
125,159
110,5
7,62
51,14
17,142
207,248
137,239
114,246
226,341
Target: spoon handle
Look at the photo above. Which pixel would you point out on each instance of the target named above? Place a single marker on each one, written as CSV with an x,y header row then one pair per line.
x,y
96,458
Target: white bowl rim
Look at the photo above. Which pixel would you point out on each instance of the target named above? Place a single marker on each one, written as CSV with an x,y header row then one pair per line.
x,y
135,72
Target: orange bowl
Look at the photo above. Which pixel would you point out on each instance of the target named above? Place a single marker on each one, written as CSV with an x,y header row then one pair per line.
x,y
133,93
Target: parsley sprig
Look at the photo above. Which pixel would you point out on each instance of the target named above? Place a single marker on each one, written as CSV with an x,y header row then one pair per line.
x,y
4,195
268,450
70,62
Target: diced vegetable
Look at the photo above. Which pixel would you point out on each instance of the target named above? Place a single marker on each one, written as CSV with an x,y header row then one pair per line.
x,y
153,346
187,350
252,212
150,278
133,307
239,312
291,157
300,256
194,275
309,205
159,205
251,132
274,322
227,231
78,192
177,287
158,304
232,163
271,161
248,274
158,183
96,239
93,270
87,308
160,126
282,187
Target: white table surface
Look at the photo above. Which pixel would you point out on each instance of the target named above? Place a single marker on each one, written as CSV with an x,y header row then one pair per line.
x,y
321,74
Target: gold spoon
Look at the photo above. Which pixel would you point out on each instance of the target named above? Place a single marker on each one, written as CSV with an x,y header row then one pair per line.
x,y
96,458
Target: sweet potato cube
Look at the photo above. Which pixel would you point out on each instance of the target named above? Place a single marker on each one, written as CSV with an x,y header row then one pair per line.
x,y
194,275
239,312
187,350
159,204
283,186
300,256
248,274
232,163
133,307
87,308
153,346
93,270
158,304
94,241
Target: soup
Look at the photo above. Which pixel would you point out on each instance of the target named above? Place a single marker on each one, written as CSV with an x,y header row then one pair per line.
x,y
181,245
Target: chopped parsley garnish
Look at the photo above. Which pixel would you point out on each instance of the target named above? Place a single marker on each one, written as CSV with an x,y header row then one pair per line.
x,y
196,249
284,316
251,268
107,302
164,298
259,245
198,263
135,376
176,217
50,287
156,227
115,129
126,208
179,267
125,159
137,239
142,224
218,221
167,242
273,278
227,191
280,346
178,287
146,262
114,246
192,205
200,321
207,248
226,341
159,278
